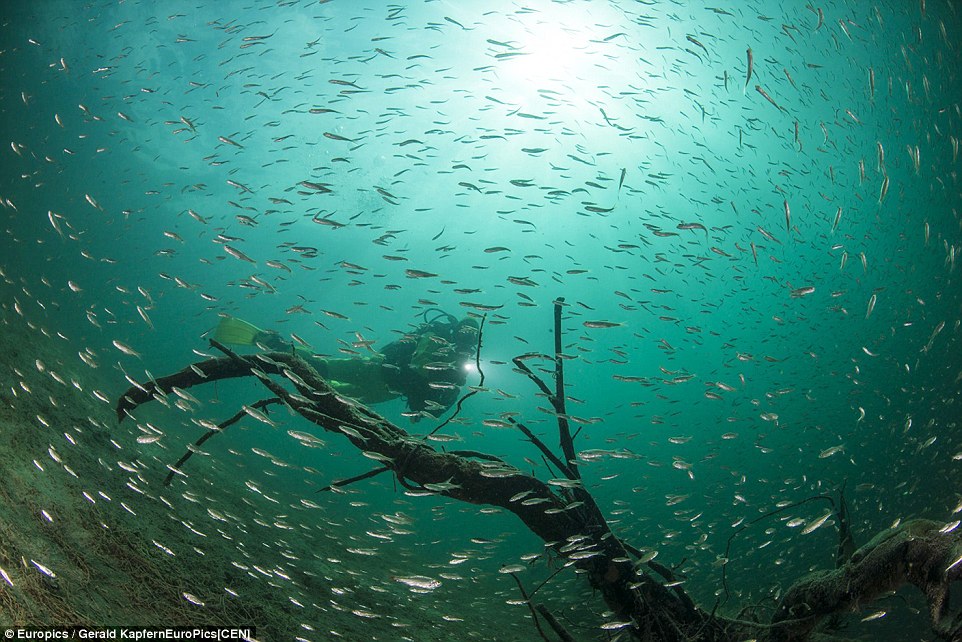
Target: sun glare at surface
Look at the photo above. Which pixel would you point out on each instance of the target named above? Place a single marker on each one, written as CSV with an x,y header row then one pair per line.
x,y
550,52
564,52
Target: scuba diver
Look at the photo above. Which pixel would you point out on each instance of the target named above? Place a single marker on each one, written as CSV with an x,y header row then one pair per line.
x,y
426,366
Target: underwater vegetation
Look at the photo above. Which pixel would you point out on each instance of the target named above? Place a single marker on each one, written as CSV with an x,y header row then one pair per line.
x,y
596,320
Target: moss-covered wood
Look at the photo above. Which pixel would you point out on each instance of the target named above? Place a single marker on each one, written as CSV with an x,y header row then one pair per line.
x,y
568,520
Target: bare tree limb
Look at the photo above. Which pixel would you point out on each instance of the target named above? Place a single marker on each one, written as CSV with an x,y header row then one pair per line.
x,y
527,601
263,403
918,552
565,470
554,624
519,362
558,398
350,480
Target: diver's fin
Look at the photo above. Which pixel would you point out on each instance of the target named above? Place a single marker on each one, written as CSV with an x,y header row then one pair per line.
x,y
235,331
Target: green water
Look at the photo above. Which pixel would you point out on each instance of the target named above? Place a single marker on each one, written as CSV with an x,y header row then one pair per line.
x,y
759,273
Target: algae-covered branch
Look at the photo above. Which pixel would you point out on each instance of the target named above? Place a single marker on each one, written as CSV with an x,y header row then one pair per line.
x,y
646,599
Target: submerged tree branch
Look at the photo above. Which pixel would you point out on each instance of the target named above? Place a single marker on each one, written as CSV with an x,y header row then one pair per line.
x,y
540,445
350,480
531,607
919,552
554,624
558,399
175,469
573,532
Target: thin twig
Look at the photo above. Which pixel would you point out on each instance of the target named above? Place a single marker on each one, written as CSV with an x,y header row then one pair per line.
x,y
350,480
263,403
565,470
548,579
527,601
474,391
548,466
520,365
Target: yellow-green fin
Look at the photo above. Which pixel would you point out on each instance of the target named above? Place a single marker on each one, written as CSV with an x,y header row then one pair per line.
x,y
235,331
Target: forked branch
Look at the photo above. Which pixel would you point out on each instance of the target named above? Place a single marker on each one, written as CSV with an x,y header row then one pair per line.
x,y
569,521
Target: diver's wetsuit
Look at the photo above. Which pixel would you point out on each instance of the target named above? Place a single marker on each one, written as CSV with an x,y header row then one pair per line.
x,y
426,367
433,388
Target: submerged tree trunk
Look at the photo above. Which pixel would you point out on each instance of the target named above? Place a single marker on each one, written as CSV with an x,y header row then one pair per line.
x,y
573,531
564,515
